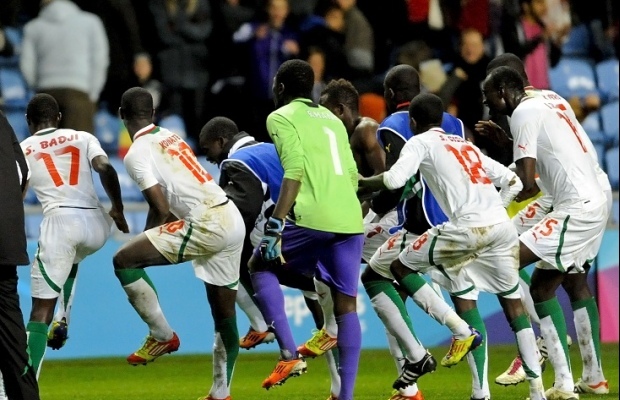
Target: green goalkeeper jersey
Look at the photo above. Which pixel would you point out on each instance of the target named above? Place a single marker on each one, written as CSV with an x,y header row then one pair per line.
x,y
314,149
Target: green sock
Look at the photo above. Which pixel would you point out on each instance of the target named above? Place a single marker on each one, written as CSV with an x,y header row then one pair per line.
x,y
474,319
551,308
525,276
412,283
131,275
37,340
227,330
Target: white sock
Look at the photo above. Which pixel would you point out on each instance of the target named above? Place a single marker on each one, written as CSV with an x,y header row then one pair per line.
x,y
144,300
526,342
528,302
563,375
390,315
592,370
333,371
219,388
479,379
251,310
435,306
327,305
2,392
399,360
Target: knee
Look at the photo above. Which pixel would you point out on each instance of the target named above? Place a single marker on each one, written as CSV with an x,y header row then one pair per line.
x,y
398,269
576,288
120,260
540,293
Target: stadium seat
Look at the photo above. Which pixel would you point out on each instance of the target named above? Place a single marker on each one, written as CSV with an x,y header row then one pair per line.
x,y
14,36
600,153
578,42
573,77
609,119
592,125
608,80
31,198
15,93
33,225
130,191
17,119
611,160
174,123
107,129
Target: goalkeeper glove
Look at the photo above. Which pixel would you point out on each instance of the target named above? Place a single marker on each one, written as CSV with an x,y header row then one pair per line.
x,y
270,245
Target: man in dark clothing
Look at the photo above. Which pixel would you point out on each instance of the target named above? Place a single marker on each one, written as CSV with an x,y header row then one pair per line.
x,y
19,377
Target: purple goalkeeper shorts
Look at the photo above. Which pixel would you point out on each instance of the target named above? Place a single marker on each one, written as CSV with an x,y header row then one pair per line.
x,y
333,258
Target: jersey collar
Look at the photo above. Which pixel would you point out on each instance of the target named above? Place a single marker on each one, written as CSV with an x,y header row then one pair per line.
x,y
45,131
151,128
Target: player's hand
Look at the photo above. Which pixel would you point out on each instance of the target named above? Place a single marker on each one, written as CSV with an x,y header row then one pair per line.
x,y
270,245
119,220
493,131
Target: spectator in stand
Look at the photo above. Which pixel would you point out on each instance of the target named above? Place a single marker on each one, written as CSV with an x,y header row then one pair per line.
x,y
474,14
65,54
434,21
270,43
359,42
529,38
601,18
130,65
316,59
183,27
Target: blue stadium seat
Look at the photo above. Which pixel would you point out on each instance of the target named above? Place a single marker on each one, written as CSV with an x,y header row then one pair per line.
x,y
573,77
609,119
592,125
608,79
31,198
212,169
174,123
578,42
17,120
14,36
107,128
15,93
136,221
33,225
600,153
612,162
130,191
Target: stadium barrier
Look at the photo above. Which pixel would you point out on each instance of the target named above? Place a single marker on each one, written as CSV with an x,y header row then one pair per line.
x,y
104,324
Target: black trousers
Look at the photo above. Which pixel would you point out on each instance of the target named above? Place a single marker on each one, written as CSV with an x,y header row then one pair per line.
x,y
20,381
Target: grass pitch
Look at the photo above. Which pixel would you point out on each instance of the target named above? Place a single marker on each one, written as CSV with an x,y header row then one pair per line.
x,y
189,377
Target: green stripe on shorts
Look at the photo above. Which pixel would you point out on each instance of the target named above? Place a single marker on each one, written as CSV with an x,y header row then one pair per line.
x,y
403,243
509,292
184,243
49,281
558,254
462,292
431,249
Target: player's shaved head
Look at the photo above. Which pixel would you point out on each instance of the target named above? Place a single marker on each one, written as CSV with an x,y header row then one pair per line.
x,y
341,91
137,104
505,77
427,110
508,60
297,79
218,127
401,84
42,109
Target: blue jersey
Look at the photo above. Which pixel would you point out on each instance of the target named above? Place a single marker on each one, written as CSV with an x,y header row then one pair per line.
x,y
398,124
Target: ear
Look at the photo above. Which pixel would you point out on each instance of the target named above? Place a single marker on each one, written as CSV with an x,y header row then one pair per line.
x,y
280,89
340,108
120,113
391,92
59,117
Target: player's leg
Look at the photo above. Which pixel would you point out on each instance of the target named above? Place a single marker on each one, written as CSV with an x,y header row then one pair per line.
x,y
59,330
587,324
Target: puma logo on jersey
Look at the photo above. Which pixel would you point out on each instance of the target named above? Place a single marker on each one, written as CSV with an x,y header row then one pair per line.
x,y
387,148
524,148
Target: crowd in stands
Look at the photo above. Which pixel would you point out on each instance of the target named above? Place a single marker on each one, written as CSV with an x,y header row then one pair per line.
x,y
202,58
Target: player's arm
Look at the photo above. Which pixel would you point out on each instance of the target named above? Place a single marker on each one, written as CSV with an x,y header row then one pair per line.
x,y
509,183
244,189
109,181
397,176
288,145
373,153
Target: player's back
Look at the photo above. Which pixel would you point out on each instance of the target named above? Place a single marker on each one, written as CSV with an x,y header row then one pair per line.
x,y
327,199
158,156
60,164
563,162
454,172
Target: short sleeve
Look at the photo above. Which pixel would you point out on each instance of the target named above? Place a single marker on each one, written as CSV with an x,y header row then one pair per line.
x,y
407,165
140,170
94,147
525,129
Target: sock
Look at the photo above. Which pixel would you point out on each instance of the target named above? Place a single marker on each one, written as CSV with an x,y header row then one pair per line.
x,y
65,300
588,329
327,305
391,310
331,356
526,342
553,329
225,351
248,306
478,359
271,302
435,306
349,346
2,392
399,360
526,298
143,297
37,342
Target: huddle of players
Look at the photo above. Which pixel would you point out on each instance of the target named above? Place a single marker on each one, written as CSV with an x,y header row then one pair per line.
x,y
435,210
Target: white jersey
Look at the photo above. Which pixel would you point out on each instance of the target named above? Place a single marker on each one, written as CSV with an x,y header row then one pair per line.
x,y
455,172
551,97
158,156
544,132
60,164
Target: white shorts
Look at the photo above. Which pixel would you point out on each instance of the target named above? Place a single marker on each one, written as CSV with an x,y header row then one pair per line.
x,y
489,256
376,231
389,251
532,214
67,236
213,243
565,241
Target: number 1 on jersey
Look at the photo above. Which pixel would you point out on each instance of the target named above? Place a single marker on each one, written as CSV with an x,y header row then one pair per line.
x,y
333,148
471,164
